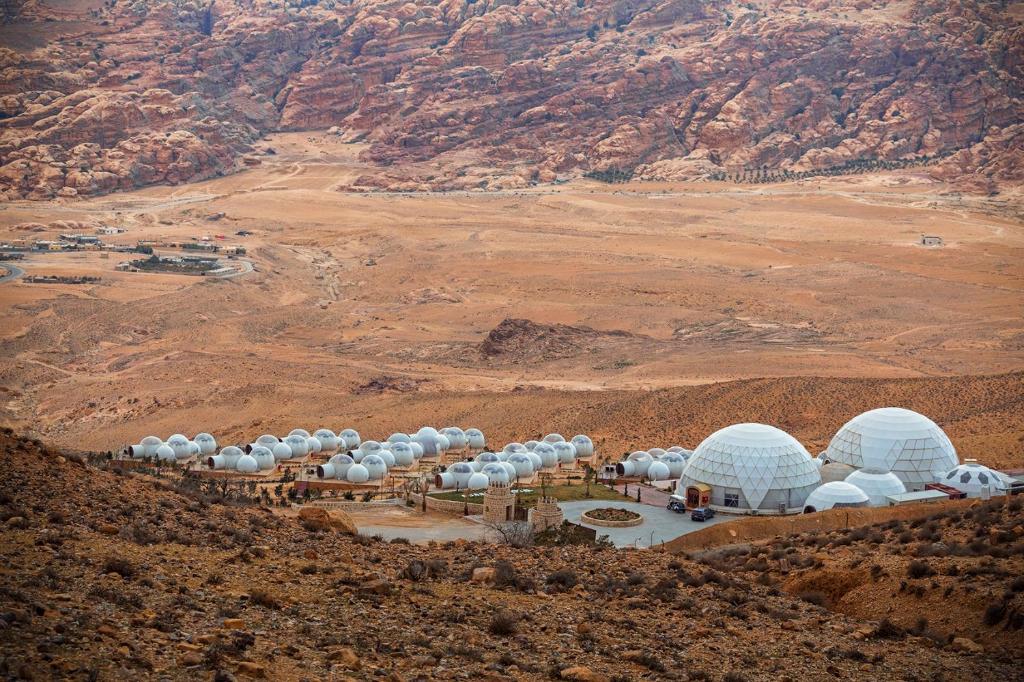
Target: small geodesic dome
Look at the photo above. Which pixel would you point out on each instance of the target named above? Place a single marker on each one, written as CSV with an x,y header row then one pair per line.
x,y
893,439
584,446
657,471
165,453
298,444
547,454
399,437
476,439
834,495
554,438
752,468
675,463
350,439
403,454
456,437
299,432
336,467
375,466
566,453
207,444
522,464
247,464
974,479
357,473
877,485
281,451
495,472
477,481
328,440
264,458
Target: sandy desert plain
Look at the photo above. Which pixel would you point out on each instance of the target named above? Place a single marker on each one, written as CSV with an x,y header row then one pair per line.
x,y
643,314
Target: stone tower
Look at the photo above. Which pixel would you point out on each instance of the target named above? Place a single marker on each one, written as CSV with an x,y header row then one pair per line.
x,y
499,503
547,514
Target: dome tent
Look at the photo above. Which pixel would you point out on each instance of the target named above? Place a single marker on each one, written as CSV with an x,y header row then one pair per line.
x,y
877,485
752,468
894,439
974,479
835,495
584,446
476,439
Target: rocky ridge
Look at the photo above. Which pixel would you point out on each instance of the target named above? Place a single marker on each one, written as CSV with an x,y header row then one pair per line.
x,y
456,95
120,575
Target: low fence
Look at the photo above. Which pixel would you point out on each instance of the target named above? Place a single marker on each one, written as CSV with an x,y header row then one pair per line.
x,y
756,528
447,506
354,505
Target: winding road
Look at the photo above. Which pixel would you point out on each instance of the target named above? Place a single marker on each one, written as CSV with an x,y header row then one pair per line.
x,y
13,273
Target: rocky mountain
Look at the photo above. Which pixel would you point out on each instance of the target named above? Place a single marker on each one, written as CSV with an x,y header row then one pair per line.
x,y
123,575
490,93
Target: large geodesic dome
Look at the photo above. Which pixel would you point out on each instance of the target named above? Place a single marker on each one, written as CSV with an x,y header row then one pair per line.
x,y
750,468
834,495
877,485
974,479
893,439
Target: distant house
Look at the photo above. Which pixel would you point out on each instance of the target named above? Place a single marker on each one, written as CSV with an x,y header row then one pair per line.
x,y
109,229
931,240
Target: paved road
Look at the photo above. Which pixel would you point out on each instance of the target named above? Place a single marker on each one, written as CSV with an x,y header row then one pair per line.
x,y
660,524
13,272
648,495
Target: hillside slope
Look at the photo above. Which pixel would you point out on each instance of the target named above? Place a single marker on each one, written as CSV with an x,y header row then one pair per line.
x,y
120,576
493,94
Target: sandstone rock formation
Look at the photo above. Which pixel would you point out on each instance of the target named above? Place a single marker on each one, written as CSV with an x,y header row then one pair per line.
x,y
501,95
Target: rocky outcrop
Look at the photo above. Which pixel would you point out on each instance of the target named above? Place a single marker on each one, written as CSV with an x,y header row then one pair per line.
x,y
500,95
518,340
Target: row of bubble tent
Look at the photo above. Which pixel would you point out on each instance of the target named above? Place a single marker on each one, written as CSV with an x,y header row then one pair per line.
x,y
400,450
656,464
174,448
514,462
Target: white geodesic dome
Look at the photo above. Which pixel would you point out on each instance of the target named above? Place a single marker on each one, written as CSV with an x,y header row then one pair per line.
x,y
658,471
675,463
832,471
477,481
893,439
403,454
456,437
247,464
299,432
375,466
522,463
399,437
534,458
181,446
554,438
207,443
298,444
476,439
357,473
635,464
268,441
752,467
487,458
584,446
877,485
547,454
165,453
834,495
314,444
328,440
387,456
264,458
350,439
974,479
367,447
336,467
566,452
281,451
495,472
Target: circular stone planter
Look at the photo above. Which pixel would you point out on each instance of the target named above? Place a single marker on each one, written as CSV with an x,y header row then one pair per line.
x,y
610,517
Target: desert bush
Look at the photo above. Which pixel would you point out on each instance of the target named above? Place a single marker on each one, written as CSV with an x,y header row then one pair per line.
x,y
994,614
564,579
122,567
919,569
264,598
503,623
886,629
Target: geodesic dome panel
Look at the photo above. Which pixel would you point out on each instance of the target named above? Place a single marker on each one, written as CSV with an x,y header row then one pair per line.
x,y
974,479
877,485
835,495
894,439
752,466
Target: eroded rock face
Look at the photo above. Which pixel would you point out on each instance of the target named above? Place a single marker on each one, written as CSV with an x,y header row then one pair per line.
x,y
502,95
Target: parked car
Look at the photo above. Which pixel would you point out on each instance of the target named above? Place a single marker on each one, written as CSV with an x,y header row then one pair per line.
x,y
702,514
676,504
